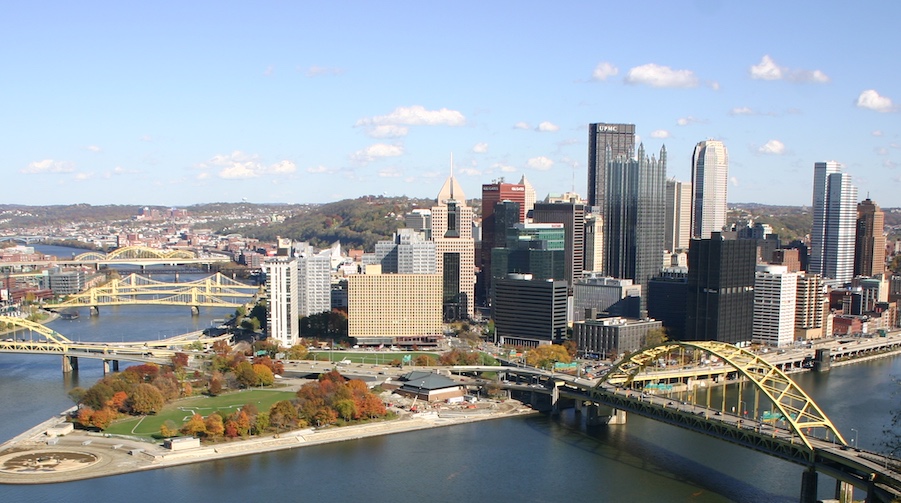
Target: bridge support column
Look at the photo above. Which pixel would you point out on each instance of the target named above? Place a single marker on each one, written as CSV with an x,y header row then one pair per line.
x,y
195,311
94,311
105,367
844,492
809,486
600,414
579,405
70,364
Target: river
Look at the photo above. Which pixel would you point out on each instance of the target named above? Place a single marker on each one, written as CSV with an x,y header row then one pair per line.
x,y
529,459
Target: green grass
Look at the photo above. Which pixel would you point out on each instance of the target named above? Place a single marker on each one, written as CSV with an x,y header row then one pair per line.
x,y
372,357
180,411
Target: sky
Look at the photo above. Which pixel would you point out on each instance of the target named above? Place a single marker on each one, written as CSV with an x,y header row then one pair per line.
x,y
179,103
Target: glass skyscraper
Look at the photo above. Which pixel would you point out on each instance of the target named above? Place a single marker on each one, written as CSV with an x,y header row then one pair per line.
x,y
834,222
709,181
620,139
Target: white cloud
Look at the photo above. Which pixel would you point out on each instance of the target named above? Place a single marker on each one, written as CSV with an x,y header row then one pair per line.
x,y
603,71
80,177
319,169
890,164
521,125
774,147
685,121
877,133
547,127
320,71
269,71
871,100
94,148
660,133
480,148
416,115
734,181
506,168
390,172
742,111
377,151
48,166
714,85
541,163
388,131
661,76
767,69
881,151
469,171
239,165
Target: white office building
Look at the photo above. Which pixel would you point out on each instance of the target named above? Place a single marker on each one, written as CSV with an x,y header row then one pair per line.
x,y
834,223
775,291
709,181
282,287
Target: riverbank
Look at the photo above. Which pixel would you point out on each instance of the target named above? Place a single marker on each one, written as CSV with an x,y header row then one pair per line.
x,y
35,458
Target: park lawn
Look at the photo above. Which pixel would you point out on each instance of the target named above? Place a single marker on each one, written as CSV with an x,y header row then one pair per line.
x,y
370,357
180,411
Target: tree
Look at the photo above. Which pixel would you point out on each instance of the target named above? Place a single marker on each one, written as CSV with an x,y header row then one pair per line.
x,y
146,399
296,352
97,395
118,401
179,360
282,414
261,422
168,429
214,425
215,385
546,355
102,418
347,409
655,337
76,394
195,426
264,376
245,374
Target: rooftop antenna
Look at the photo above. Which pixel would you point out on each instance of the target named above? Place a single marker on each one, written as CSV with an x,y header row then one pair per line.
x,y
452,176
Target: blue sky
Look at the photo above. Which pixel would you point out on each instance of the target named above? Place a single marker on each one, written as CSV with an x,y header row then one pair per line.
x,y
176,103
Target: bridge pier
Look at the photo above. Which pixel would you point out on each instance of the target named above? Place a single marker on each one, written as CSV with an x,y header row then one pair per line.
x,y
809,486
601,414
94,311
70,364
844,492
195,311
106,366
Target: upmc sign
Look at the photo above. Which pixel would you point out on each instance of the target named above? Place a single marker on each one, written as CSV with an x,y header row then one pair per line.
x,y
606,128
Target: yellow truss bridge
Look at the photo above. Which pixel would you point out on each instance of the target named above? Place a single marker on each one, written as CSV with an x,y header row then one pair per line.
x,y
28,337
213,291
135,252
791,404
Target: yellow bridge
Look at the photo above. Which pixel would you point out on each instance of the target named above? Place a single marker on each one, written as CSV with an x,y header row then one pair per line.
x,y
213,291
28,337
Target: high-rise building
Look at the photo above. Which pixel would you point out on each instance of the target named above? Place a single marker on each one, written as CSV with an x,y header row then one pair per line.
x,y
594,243
530,197
282,317
678,215
529,312
455,249
869,249
812,314
634,217
384,307
314,277
720,301
709,181
619,140
408,252
572,215
667,300
834,219
775,291
492,195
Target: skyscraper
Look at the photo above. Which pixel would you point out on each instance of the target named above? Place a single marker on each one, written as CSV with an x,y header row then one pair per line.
x,y
869,249
709,181
620,140
492,194
678,215
455,249
572,216
530,197
720,301
634,216
775,291
834,222
282,315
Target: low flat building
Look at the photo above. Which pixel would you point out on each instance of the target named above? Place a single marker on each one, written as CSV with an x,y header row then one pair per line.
x,y
429,386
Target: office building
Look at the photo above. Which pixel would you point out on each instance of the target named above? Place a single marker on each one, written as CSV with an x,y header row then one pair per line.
x,y
494,194
408,252
572,215
634,217
419,220
455,250
787,257
282,286
529,312
606,141
812,314
530,198
594,243
720,300
834,223
594,295
678,216
381,308
775,291
667,294
869,248
314,276
607,338
709,181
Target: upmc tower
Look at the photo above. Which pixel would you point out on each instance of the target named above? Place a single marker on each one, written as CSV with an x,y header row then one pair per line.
x,y
620,138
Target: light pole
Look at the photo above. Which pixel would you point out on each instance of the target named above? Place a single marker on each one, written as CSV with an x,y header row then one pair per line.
x,y
856,438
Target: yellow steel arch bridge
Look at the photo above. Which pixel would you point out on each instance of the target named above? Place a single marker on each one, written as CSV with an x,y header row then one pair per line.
x,y
213,291
135,252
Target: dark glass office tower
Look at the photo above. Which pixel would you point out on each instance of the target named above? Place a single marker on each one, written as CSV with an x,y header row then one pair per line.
x,y
720,289
620,139
634,217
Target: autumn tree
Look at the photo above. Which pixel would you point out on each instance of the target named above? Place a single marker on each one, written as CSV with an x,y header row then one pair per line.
x,y
76,394
215,385
118,401
168,429
263,374
195,426
296,352
146,399
655,337
180,360
102,418
282,414
346,408
547,354
245,375
214,425
97,395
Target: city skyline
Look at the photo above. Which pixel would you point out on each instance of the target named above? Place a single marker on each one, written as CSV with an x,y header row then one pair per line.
x,y
275,103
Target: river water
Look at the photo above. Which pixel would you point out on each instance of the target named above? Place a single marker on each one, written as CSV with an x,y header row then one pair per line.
x,y
530,459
